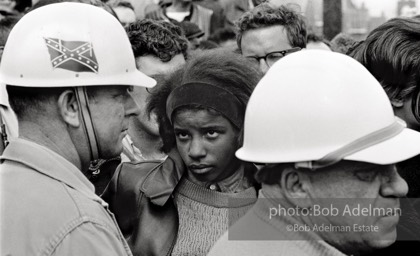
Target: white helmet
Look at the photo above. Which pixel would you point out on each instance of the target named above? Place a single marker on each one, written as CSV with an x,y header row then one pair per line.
x,y
315,108
69,44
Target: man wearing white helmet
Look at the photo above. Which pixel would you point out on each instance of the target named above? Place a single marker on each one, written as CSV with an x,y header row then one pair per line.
x,y
330,142
69,84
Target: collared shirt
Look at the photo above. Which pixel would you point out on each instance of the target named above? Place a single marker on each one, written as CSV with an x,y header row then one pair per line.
x,y
48,207
233,184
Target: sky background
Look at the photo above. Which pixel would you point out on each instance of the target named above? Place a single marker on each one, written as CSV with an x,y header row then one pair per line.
x,y
376,7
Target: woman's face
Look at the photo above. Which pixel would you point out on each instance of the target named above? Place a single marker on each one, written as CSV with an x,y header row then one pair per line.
x,y
207,142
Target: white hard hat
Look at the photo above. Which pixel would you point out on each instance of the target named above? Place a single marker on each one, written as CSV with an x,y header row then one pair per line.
x,y
69,44
315,108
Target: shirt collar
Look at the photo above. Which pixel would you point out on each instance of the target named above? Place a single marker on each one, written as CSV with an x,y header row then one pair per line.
x,y
51,164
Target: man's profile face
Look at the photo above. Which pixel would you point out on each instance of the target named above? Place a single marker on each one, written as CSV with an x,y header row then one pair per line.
x,y
352,186
262,41
151,66
111,108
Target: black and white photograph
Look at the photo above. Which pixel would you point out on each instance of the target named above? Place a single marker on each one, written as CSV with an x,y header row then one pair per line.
x,y
210,127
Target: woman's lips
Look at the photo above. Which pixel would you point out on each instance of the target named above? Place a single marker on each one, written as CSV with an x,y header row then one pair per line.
x,y
200,169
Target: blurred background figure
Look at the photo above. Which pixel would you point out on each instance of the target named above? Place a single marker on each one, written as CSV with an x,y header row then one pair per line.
x,y
234,9
97,3
193,33
188,10
207,45
7,8
317,42
342,43
124,10
225,37
157,51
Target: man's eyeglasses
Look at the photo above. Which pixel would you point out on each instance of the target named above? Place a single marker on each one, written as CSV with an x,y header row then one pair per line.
x,y
273,57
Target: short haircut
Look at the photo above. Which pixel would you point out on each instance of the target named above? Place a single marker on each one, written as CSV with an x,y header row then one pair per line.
x,y
150,37
265,15
26,101
217,67
391,53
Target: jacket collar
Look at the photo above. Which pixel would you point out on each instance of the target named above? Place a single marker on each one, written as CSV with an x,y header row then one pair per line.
x,y
49,163
161,181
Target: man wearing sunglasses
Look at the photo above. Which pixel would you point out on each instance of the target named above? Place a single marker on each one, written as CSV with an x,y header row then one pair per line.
x,y
267,33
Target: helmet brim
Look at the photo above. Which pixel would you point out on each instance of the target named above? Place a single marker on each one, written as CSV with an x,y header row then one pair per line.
x,y
137,78
401,147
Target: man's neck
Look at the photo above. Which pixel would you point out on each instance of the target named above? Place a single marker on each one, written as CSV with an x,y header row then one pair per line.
x,y
56,140
149,145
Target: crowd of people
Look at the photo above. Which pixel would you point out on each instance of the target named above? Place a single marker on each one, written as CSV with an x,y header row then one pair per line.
x,y
205,128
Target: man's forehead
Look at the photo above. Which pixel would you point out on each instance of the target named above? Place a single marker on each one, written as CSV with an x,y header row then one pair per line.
x,y
265,40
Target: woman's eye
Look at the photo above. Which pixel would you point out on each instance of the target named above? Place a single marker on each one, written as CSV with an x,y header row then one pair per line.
x,y
182,135
212,134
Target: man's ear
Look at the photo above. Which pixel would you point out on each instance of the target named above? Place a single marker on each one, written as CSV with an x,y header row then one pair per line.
x,y
69,108
397,103
295,185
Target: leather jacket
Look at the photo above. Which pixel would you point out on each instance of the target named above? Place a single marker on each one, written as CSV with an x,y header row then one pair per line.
x,y
139,196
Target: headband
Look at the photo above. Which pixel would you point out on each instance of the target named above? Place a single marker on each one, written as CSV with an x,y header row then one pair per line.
x,y
209,96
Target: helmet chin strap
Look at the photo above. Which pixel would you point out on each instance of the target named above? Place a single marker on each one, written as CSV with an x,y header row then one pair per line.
x,y
83,102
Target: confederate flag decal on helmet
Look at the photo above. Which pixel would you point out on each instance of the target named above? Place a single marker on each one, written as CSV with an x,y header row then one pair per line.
x,y
75,56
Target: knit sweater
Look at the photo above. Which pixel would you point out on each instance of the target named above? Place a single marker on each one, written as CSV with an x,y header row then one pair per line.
x,y
204,215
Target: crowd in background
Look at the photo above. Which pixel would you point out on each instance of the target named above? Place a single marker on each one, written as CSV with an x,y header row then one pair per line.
x,y
172,151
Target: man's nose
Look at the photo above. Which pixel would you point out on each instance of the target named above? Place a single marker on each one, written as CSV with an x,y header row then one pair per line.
x,y
393,185
263,66
131,108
